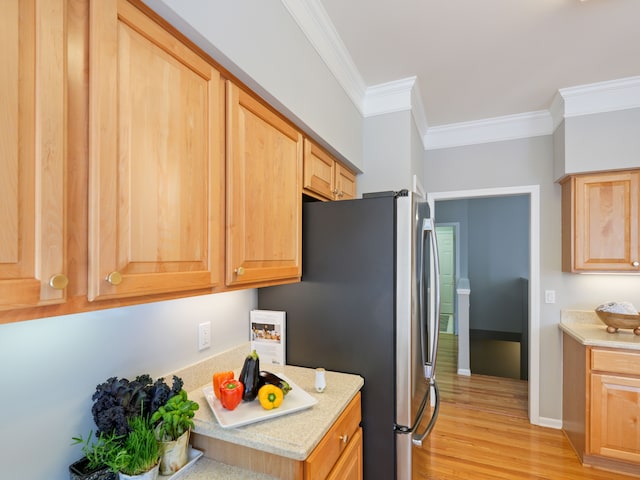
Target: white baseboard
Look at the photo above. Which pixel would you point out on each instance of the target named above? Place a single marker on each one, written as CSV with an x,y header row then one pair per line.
x,y
549,422
464,371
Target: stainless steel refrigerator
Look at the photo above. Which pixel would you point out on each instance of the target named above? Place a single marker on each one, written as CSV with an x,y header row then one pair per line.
x,y
368,303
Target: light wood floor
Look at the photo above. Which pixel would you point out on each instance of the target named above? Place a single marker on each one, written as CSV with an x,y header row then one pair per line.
x,y
483,432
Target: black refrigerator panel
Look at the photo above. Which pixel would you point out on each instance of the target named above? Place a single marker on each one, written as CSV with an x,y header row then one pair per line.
x,y
341,316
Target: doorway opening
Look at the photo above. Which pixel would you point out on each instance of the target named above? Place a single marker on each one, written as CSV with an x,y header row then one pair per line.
x,y
532,289
447,235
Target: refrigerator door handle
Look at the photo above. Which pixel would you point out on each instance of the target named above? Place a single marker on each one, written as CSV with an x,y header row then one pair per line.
x,y
433,323
418,437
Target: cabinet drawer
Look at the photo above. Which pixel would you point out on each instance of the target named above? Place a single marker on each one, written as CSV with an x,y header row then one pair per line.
x,y
615,361
326,454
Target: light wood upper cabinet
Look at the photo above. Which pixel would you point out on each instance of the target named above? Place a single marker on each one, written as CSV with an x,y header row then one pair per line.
x,y
264,193
156,186
601,213
324,176
32,153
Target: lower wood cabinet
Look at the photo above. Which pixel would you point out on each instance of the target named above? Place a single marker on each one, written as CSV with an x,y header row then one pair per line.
x,y
338,456
615,405
338,445
601,405
349,465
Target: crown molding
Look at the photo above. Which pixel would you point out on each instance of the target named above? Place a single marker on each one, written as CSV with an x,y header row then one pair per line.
x,y
508,127
404,95
397,96
601,97
315,23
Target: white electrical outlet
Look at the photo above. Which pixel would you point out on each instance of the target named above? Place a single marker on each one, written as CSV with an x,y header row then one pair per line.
x,y
204,335
549,296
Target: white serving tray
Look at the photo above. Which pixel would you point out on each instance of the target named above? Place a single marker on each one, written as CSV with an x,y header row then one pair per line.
x,y
250,412
193,456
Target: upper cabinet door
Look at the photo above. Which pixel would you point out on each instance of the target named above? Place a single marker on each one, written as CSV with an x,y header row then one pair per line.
x,y
319,170
600,225
324,176
264,193
32,153
345,183
156,188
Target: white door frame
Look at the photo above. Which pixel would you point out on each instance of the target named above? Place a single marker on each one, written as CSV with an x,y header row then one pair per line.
x,y
534,273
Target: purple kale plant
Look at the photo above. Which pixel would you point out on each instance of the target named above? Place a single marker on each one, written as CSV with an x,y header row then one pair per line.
x,y
118,400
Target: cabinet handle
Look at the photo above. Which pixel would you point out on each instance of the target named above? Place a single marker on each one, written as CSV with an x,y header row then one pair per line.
x,y
59,281
636,263
114,278
239,271
344,438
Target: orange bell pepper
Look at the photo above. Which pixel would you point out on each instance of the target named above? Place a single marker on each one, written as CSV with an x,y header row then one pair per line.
x,y
218,379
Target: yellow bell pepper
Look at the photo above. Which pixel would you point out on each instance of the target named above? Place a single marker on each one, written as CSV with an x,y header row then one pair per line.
x,y
270,396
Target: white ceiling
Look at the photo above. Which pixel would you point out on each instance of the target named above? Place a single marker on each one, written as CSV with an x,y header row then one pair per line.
x,y
477,59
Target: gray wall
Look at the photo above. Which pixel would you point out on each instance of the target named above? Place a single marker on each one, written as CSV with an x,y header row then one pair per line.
x,y
261,44
520,163
51,366
387,153
496,248
606,141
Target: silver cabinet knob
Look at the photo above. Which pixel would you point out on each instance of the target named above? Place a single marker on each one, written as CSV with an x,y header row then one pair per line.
x,y
636,263
239,271
344,438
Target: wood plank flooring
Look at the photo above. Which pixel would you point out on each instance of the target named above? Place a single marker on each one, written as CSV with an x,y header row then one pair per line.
x,y
483,433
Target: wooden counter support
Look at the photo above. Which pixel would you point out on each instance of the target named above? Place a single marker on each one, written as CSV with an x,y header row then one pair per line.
x,y
338,455
601,404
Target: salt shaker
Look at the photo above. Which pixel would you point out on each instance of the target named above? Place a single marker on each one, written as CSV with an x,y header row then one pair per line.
x,y
321,383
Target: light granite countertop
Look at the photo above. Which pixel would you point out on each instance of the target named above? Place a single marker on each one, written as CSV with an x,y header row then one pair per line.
x,y
292,436
207,469
588,329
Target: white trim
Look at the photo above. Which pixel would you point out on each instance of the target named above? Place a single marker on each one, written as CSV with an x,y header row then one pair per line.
x,y
396,96
399,95
388,97
534,281
550,423
601,97
315,23
464,371
508,127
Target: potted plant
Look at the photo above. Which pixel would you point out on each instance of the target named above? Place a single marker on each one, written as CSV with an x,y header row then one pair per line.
x,y
173,422
135,455
93,465
115,403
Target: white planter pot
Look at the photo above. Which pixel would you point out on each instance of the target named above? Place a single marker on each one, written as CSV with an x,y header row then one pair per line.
x,y
148,475
174,455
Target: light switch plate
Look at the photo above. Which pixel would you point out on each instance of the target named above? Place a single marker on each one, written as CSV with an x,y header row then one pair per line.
x,y
549,296
204,335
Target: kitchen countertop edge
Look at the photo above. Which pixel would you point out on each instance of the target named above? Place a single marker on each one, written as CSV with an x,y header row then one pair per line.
x,y
293,435
586,328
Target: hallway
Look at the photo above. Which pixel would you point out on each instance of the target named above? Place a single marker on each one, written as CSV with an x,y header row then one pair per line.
x,y
483,433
